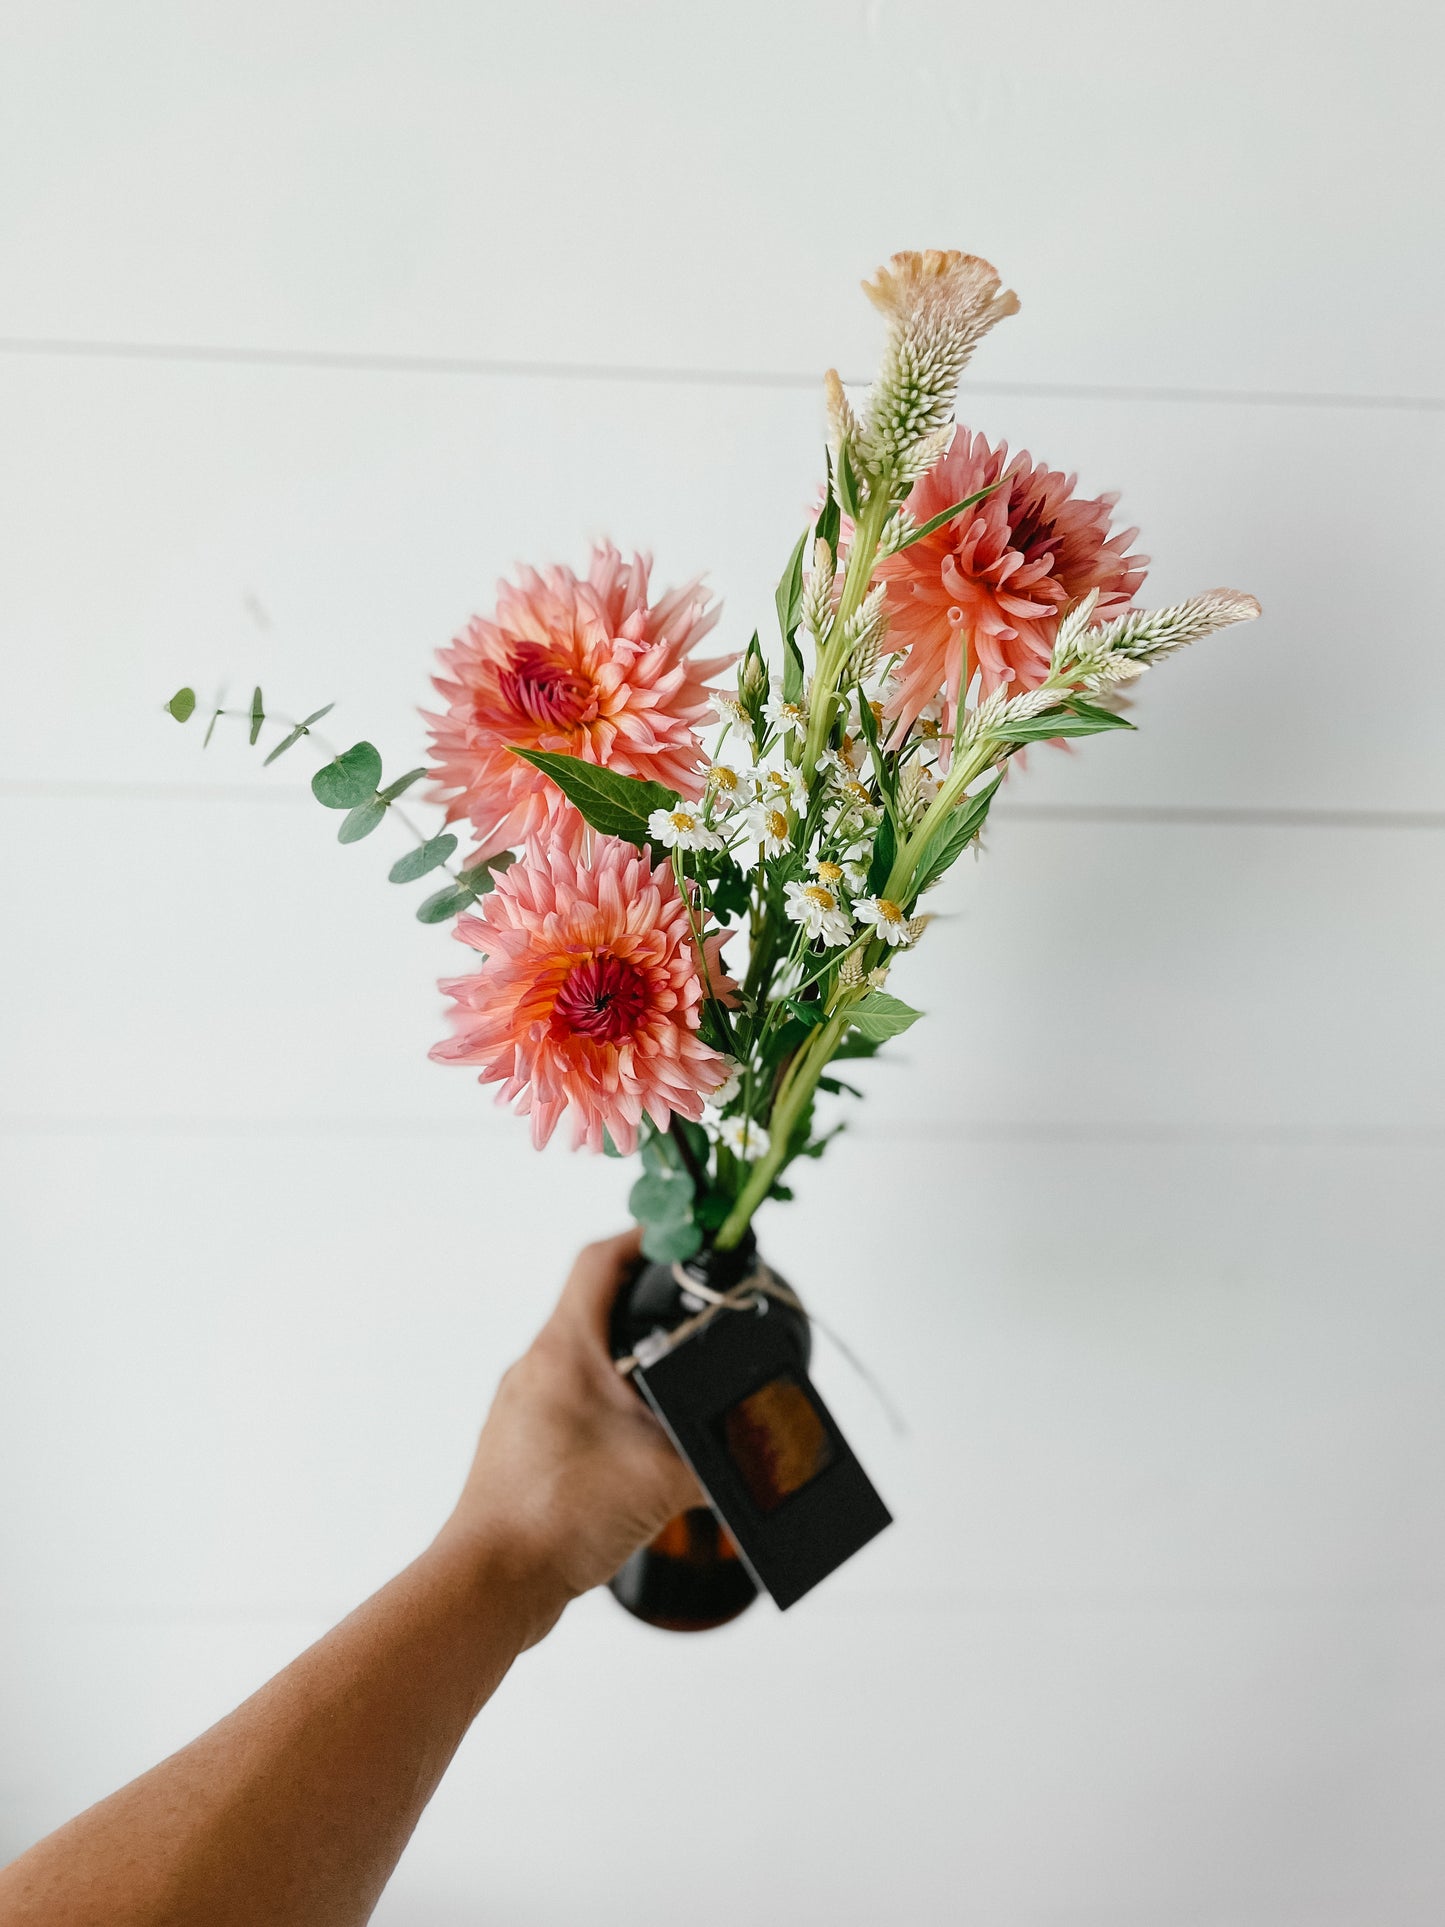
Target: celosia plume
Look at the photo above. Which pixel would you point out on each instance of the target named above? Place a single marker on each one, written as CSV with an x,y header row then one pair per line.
x,y
985,592
590,996
589,668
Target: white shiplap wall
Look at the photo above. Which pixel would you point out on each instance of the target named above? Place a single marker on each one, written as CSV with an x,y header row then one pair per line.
x,y
334,314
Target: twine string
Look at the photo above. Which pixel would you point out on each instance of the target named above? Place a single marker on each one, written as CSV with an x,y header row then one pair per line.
x,y
744,1296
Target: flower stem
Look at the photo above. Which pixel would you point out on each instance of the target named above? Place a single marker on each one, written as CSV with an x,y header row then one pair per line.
x,y
792,1101
832,658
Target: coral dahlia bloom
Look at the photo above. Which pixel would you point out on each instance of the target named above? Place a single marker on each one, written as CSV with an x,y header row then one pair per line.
x,y
587,667
590,995
985,592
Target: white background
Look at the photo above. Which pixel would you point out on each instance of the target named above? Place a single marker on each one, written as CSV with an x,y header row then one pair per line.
x,y
317,318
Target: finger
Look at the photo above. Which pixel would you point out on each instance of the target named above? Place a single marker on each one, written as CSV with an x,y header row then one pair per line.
x,y
598,1275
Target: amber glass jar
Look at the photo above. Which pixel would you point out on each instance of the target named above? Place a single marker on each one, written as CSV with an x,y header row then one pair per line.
x,y
690,1578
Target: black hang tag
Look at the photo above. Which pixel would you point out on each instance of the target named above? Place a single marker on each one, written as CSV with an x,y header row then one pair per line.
x,y
740,1408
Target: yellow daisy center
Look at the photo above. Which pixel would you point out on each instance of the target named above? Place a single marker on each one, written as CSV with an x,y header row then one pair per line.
x,y
722,778
829,873
775,823
683,820
888,912
816,894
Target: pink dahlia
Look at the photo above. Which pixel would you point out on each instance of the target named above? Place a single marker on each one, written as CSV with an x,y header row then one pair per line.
x,y
985,592
590,995
589,668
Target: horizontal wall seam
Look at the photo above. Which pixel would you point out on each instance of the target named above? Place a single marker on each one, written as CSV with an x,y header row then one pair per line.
x,y
1142,1131
342,362
1203,815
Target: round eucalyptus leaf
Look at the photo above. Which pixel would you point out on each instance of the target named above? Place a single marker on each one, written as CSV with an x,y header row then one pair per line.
x,y
361,821
660,1199
417,862
670,1244
349,780
182,705
446,903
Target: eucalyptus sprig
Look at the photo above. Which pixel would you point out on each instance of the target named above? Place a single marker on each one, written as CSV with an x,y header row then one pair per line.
x,y
351,781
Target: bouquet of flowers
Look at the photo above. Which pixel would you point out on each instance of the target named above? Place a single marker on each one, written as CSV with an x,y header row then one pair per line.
x,y
688,901
676,940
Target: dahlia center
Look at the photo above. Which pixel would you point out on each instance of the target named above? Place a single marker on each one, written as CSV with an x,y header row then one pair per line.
x,y
544,691
602,999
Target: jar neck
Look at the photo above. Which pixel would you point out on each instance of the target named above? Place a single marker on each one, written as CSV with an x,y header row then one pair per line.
x,y
723,1269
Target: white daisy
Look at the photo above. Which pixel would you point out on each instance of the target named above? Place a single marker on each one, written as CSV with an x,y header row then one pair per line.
x,y
886,918
854,812
744,1138
784,715
855,872
819,911
828,873
726,784
681,829
739,718
846,760
769,825
781,786
719,1099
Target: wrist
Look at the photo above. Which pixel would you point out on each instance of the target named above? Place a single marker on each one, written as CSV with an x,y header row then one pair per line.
x,y
504,1578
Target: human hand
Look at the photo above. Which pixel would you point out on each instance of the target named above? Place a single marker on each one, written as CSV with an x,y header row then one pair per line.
x,y
572,1472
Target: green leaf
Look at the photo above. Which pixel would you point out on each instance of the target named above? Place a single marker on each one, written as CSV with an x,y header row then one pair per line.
x,y
853,1045
402,783
210,729
182,705
609,1149
670,1244
885,850
789,597
470,884
937,521
661,1199
479,879
258,714
1073,718
1103,718
847,485
446,903
301,729
878,1016
615,805
810,1016
830,522
361,821
416,863
952,836
726,891
288,741
349,779
792,671
710,1211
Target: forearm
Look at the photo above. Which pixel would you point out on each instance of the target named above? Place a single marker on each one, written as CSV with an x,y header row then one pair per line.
x,y
296,1807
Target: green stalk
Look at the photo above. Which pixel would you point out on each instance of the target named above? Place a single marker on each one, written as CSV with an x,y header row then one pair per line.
x,y
792,1101
831,659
